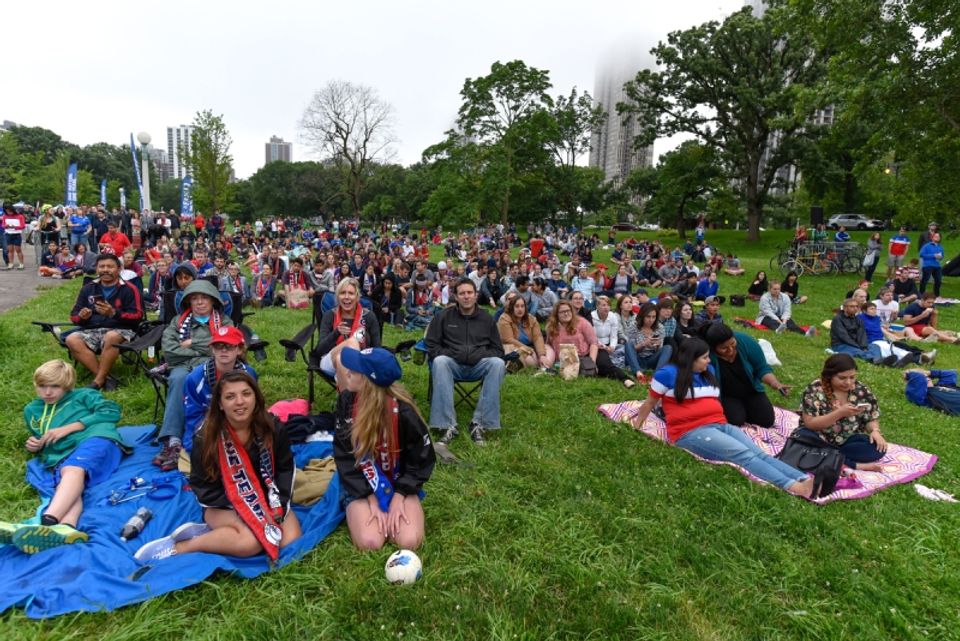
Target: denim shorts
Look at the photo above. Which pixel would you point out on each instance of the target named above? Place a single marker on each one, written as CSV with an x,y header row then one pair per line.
x,y
99,457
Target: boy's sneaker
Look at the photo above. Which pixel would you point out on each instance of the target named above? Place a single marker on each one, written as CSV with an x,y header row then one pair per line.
x,y
168,457
31,539
448,435
189,531
781,328
6,532
811,332
476,433
156,550
889,361
927,358
20,266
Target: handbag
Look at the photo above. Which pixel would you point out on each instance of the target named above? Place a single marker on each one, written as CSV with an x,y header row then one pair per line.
x,y
587,366
738,300
869,259
808,452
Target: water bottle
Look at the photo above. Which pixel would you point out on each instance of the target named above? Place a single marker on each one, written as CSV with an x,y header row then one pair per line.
x,y
151,354
134,526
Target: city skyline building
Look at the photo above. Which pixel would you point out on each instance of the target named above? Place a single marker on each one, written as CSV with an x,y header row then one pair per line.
x,y
277,149
178,138
612,148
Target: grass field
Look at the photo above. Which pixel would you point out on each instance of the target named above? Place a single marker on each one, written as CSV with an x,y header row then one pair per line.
x,y
568,526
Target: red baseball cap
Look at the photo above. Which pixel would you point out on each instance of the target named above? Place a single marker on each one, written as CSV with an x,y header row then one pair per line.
x,y
228,336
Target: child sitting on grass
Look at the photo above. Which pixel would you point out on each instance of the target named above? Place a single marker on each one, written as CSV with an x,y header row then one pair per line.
x,y
74,434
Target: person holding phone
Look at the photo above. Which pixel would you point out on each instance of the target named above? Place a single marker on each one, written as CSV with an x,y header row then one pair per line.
x,y
844,412
347,325
108,311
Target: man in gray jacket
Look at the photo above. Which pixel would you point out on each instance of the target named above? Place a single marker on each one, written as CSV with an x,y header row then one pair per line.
x,y
776,311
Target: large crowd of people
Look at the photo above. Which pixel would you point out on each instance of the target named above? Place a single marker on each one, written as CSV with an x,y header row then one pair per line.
x,y
493,305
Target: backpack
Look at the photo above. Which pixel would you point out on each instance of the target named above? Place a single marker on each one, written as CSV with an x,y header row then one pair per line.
x,y
809,453
738,300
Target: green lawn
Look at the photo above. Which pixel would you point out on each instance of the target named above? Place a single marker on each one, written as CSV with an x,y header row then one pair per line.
x,y
568,526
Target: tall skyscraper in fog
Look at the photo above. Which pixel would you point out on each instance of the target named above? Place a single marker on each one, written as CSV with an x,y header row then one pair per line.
x,y
612,148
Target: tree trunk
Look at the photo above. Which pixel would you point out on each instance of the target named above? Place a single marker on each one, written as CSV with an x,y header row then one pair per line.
x,y
681,223
754,203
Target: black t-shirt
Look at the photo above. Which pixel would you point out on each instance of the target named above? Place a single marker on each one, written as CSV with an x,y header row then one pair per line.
x,y
734,379
790,290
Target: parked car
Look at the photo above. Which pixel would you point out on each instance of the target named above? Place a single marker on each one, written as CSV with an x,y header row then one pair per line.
x,y
624,227
855,221
650,227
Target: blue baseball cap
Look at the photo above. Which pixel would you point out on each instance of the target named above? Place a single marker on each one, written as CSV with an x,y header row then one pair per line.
x,y
376,363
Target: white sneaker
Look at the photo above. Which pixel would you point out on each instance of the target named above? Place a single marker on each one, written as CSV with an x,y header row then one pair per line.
x,y
931,338
811,332
156,550
927,358
20,266
189,531
829,351
781,329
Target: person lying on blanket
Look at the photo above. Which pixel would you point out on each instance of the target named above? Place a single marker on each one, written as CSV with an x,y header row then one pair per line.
x,y
689,392
844,412
242,473
74,434
936,388
383,452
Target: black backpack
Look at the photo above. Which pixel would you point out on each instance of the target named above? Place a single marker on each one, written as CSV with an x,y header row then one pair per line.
x,y
810,453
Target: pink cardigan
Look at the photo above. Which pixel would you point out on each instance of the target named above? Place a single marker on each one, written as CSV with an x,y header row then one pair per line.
x,y
583,337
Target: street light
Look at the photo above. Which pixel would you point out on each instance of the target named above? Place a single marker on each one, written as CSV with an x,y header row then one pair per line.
x,y
144,139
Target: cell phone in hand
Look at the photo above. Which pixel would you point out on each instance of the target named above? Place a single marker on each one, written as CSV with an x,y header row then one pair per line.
x,y
96,298
863,406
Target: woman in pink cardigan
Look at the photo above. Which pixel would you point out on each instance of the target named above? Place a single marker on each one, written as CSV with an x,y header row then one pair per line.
x,y
565,327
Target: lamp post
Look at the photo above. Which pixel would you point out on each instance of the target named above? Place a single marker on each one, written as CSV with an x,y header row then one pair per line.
x,y
144,139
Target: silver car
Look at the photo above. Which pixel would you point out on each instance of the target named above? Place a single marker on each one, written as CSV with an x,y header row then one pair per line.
x,y
854,221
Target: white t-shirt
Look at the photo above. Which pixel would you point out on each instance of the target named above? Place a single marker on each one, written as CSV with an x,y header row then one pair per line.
x,y
888,312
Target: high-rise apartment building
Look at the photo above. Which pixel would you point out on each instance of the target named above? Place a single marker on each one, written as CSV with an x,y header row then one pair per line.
x,y
277,149
178,138
612,148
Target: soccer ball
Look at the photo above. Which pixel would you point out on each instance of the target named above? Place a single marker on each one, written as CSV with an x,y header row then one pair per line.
x,y
403,568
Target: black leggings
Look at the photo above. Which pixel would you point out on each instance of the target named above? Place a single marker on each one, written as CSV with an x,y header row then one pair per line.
x,y
606,368
772,324
756,409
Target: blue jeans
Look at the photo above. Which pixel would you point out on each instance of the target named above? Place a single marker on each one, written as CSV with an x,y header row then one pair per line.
x,y
77,239
723,442
937,274
173,416
872,353
654,361
445,370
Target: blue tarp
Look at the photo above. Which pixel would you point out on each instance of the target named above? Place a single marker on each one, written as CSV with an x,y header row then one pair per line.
x,y
102,574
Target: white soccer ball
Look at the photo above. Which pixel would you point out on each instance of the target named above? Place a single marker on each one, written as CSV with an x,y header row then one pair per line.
x,y
403,568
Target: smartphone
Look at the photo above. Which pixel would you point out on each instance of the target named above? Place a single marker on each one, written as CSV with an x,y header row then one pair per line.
x,y
97,298
863,406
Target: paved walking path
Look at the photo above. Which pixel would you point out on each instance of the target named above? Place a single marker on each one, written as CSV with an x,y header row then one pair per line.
x,y
17,287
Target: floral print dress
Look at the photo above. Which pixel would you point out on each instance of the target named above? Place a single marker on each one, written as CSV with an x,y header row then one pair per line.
x,y
815,403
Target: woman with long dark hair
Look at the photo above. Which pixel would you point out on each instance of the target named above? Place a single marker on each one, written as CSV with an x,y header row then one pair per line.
x,y
242,474
741,370
844,412
689,392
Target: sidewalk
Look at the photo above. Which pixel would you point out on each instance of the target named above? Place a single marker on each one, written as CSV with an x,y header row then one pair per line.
x,y
17,287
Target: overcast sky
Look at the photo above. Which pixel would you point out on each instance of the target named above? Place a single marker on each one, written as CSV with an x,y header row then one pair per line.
x,y
97,71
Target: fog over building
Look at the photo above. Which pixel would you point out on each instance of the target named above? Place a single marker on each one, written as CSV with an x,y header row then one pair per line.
x,y
612,148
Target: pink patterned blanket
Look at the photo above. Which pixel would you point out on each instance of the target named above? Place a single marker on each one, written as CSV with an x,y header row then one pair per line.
x,y
900,465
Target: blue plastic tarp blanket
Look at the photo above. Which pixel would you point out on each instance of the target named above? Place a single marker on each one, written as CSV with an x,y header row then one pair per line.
x,y
102,574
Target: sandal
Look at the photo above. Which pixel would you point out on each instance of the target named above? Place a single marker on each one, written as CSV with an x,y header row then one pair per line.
x,y
628,383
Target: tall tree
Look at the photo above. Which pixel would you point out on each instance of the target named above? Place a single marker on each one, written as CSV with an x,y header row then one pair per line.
x,y
505,113
901,58
352,126
574,119
742,87
209,161
679,187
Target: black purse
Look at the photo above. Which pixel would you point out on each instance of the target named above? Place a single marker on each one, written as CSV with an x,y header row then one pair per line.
x,y
809,453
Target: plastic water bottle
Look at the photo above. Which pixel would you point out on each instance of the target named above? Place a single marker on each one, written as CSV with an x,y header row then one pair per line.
x,y
134,526
151,354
